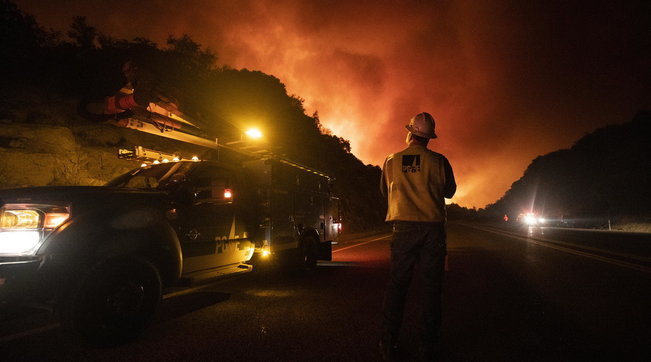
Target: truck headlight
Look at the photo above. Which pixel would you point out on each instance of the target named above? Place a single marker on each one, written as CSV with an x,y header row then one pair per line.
x,y
19,219
19,242
23,227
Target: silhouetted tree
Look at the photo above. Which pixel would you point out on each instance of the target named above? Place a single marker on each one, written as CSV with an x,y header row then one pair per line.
x,y
83,34
604,175
226,100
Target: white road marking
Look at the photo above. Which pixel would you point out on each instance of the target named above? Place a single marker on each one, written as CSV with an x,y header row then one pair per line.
x,y
360,244
552,245
335,263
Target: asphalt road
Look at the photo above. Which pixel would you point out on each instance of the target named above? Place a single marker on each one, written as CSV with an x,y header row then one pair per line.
x,y
506,298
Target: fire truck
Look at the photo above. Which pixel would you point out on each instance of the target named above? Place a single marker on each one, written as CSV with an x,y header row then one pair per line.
x,y
104,255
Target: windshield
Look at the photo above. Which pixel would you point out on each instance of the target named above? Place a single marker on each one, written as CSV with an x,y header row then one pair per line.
x,y
152,176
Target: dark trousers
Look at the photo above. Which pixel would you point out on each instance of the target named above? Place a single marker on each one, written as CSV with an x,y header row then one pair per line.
x,y
423,244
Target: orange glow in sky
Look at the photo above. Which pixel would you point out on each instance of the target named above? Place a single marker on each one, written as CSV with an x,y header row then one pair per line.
x,y
506,81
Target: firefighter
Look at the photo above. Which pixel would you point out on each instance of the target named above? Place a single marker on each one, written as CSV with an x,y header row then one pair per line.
x,y
416,182
143,87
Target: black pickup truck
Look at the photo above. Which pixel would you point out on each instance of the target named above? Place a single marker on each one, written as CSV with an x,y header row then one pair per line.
x,y
103,255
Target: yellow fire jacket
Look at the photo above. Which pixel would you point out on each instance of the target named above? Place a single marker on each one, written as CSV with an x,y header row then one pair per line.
x,y
416,182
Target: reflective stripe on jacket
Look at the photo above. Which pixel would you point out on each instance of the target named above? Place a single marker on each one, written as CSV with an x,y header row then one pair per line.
x,y
416,182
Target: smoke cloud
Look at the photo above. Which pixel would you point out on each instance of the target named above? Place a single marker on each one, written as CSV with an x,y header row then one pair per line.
x,y
506,81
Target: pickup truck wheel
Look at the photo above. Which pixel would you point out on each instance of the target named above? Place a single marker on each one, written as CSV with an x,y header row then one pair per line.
x,y
310,251
116,302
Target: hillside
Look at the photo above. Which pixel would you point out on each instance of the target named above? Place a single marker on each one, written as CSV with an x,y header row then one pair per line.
x,y
44,141
603,176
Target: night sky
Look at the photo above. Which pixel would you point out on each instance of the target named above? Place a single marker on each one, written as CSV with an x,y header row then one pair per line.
x,y
507,81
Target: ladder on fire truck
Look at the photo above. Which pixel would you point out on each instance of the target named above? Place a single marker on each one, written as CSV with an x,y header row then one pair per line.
x,y
163,123
163,118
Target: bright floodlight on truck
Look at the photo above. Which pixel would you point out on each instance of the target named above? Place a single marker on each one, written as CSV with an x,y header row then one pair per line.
x,y
254,133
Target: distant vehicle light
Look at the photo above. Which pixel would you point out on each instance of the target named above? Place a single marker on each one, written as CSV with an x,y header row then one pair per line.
x,y
228,194
195,158
156,162
176,159
542,220
143,165
530,219
165,160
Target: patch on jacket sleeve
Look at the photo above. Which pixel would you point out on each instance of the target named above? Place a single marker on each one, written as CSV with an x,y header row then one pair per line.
x,y
410,163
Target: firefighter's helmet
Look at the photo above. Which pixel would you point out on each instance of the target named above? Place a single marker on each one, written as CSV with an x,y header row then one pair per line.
x,y
422,125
